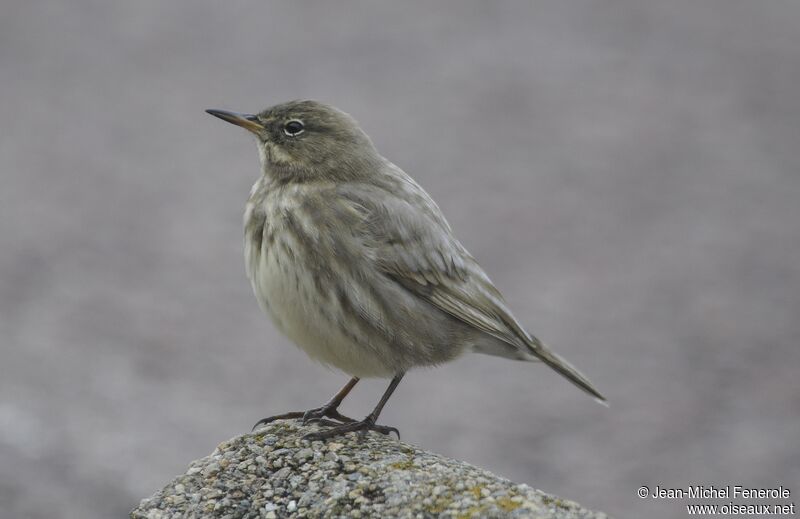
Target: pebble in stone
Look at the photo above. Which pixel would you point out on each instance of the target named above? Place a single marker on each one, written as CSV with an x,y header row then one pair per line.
x,y
273,473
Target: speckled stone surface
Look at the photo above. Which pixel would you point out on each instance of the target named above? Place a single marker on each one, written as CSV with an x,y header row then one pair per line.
x,y
273,473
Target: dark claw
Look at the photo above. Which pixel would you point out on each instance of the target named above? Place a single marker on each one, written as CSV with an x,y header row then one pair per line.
x,y
285,416
324,422
361,427
387,430
315,415
311,416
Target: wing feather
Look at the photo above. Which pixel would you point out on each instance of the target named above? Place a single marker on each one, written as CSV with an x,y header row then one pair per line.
x,y
413,244
409,239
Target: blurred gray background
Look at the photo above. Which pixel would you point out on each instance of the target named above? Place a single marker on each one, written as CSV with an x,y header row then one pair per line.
x,y
628,172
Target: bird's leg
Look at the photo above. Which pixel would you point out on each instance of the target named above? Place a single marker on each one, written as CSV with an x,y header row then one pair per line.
x,y
329,410
367,424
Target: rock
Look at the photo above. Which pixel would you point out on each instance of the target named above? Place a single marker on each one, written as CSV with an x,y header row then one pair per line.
x,y
273,472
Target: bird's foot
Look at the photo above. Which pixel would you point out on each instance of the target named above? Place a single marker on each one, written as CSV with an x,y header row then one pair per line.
x,y
367,424
317,415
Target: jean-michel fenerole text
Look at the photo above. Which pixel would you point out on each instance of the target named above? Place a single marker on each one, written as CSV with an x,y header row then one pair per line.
x,y
720,492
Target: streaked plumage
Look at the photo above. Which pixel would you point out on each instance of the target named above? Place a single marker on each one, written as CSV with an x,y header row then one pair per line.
x,y
355,262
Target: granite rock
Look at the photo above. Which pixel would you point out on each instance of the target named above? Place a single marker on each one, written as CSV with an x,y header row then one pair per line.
x,y
274,473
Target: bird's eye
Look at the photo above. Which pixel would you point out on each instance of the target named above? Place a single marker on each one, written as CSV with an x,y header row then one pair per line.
x,y
293,127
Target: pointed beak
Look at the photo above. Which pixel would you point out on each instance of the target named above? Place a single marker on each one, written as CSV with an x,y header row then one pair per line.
x,y
247,121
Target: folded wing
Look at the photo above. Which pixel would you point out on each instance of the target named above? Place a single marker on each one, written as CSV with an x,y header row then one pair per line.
x,y
412,243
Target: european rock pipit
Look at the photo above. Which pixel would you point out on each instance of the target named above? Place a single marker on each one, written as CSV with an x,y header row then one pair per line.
x,y
356,264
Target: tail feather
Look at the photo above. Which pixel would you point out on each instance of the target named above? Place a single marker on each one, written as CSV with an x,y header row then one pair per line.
x,y
566,370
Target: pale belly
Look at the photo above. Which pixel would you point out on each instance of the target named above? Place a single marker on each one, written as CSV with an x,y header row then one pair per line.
x,y
314,321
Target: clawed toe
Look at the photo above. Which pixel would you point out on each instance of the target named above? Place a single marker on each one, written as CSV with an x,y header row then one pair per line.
x,y
324,422
383,429
284,416
318,415
328,415
360,427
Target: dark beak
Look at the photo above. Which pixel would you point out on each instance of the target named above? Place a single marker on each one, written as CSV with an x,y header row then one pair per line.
x,y
246,121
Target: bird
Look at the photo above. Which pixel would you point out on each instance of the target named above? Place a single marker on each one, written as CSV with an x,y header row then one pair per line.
x,y
356,264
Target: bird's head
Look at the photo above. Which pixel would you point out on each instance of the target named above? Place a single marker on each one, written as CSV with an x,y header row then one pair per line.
x,y
307,140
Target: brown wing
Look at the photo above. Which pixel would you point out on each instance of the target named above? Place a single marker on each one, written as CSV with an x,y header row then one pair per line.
x,y
412,243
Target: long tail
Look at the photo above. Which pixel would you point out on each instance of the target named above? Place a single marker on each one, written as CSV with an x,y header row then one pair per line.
x,y
566,369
